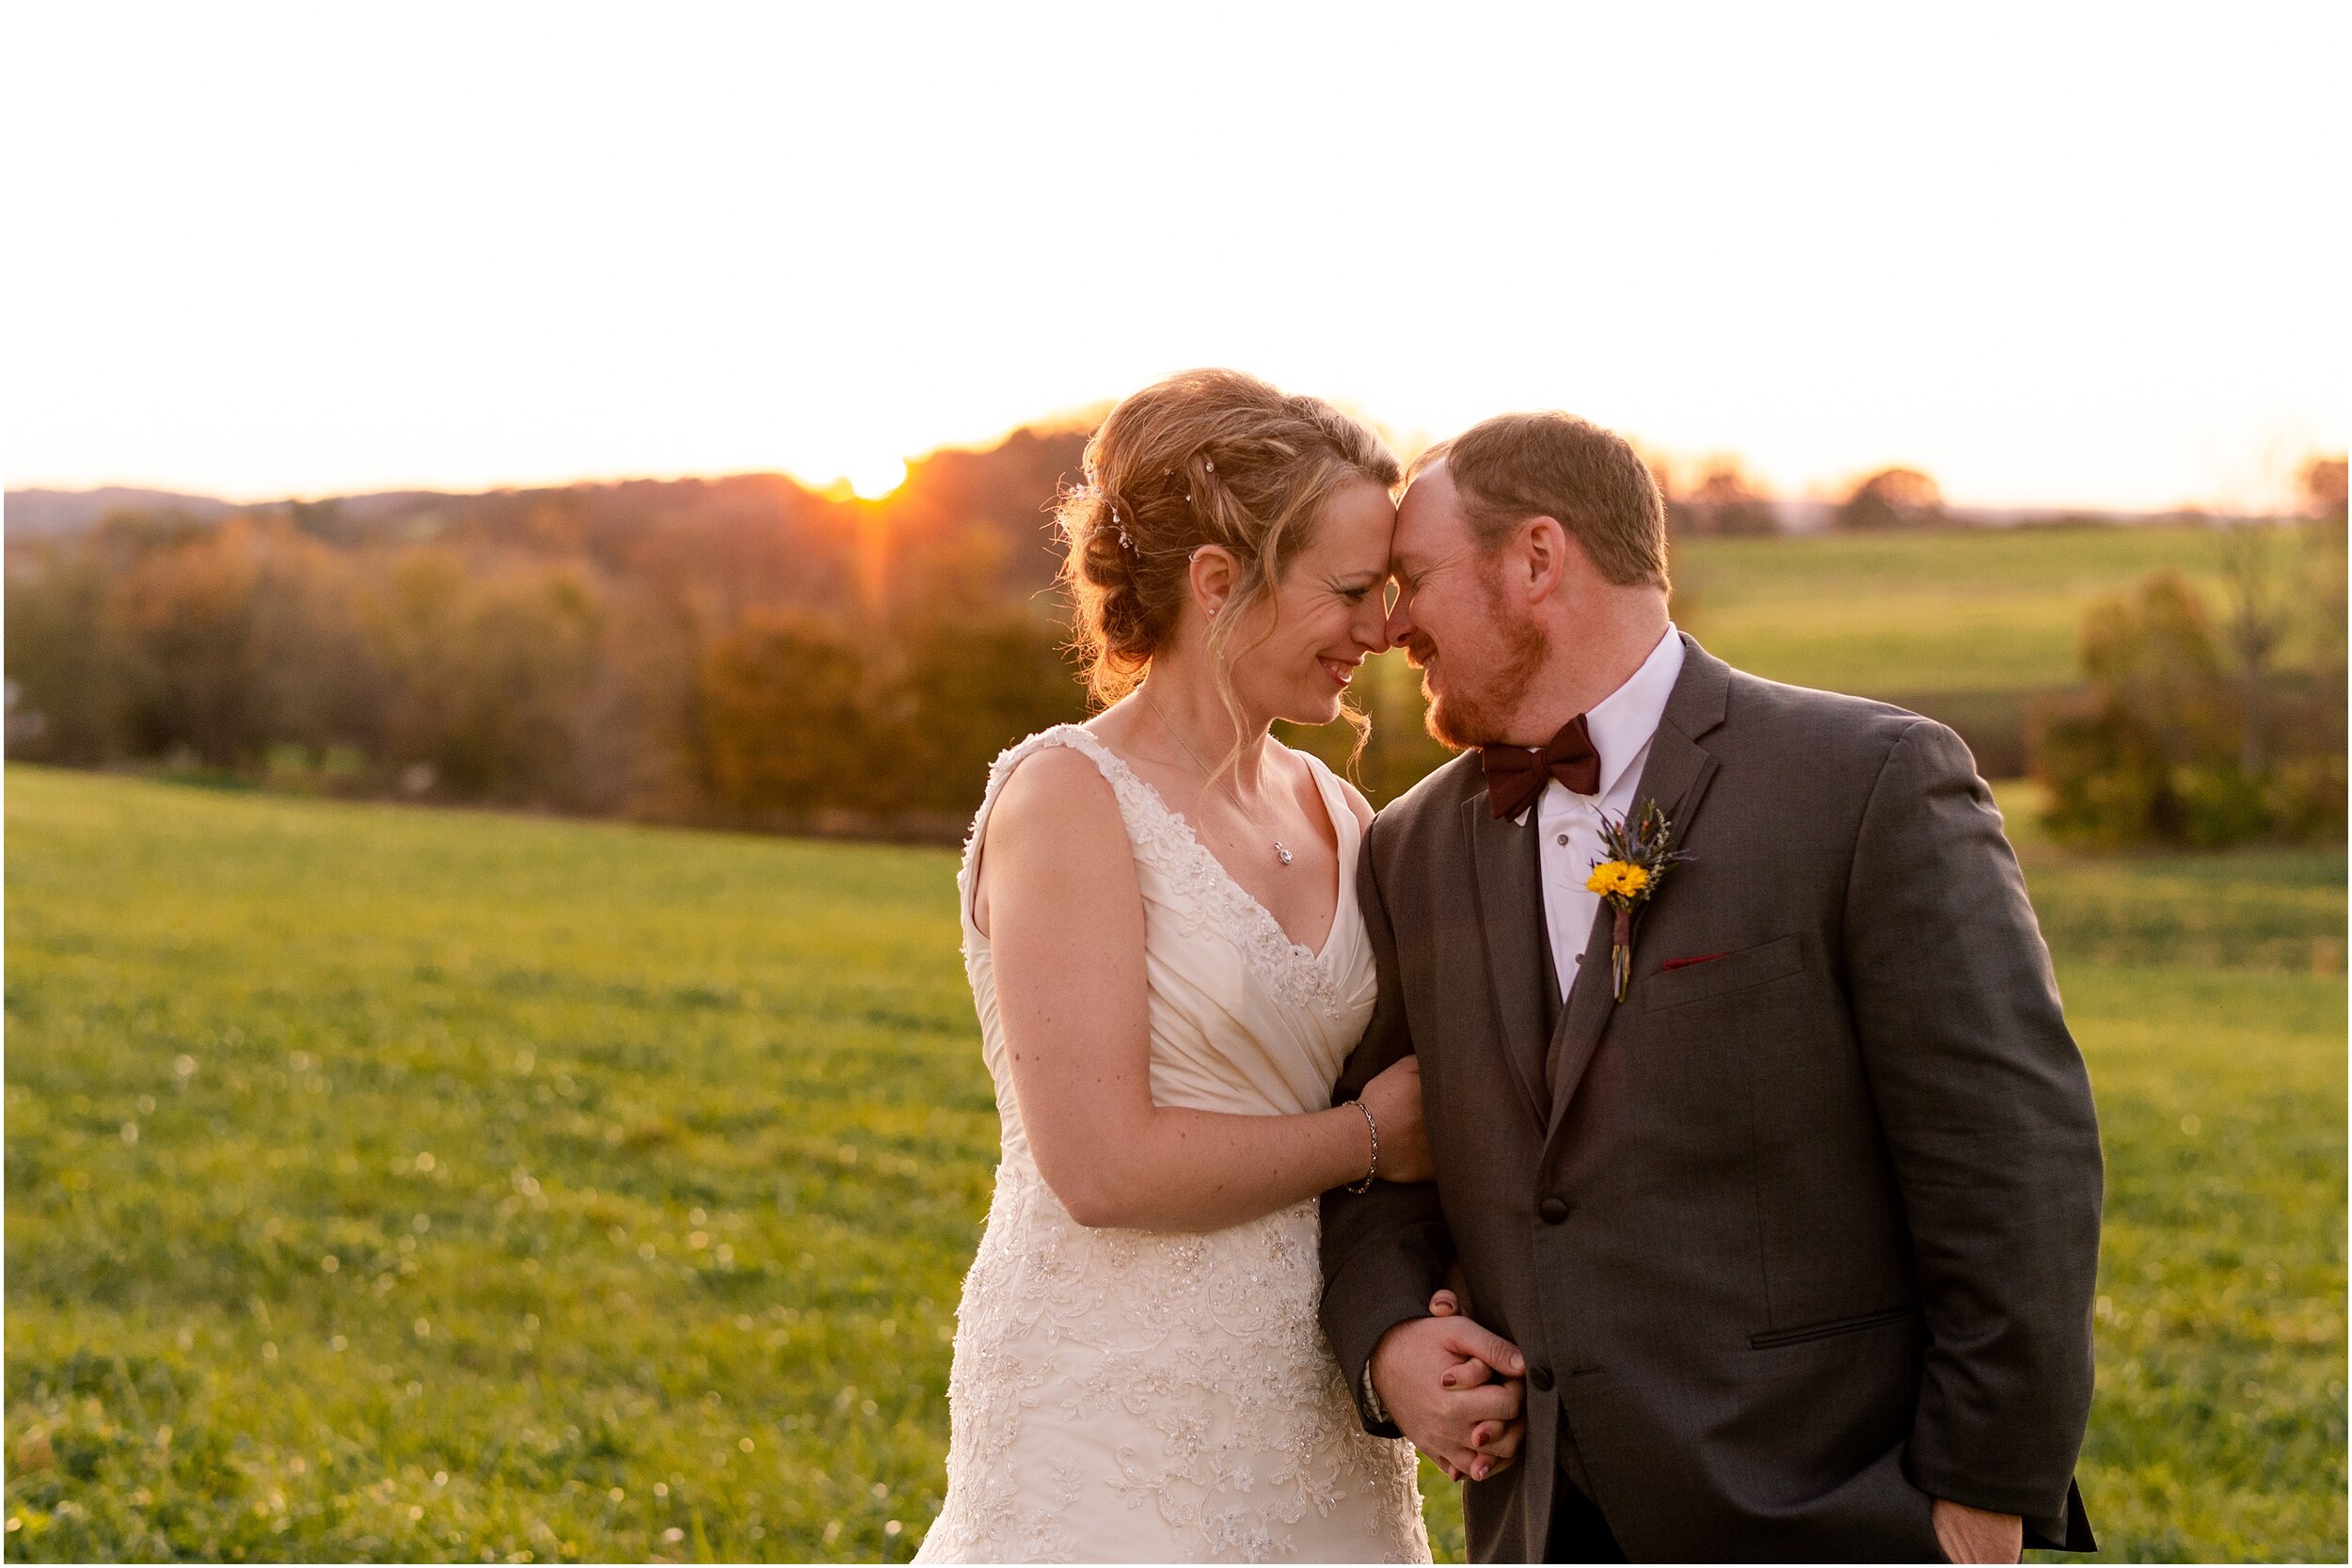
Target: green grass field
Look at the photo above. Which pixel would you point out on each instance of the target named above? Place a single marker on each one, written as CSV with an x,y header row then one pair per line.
x,y
1973,627
394,1184
1955,610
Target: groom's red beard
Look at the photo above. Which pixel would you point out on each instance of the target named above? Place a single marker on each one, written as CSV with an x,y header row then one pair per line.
x,y
1467,714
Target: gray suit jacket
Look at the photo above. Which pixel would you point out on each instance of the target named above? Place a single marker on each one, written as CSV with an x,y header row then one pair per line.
x,y
1808,1234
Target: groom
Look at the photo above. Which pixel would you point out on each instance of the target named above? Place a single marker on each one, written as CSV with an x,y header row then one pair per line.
x,y
1793,1244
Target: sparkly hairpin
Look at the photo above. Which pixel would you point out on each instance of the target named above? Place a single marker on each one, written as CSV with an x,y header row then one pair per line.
x,y
1124,543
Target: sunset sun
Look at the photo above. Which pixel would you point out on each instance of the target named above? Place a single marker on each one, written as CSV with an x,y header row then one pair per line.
x,y
871,479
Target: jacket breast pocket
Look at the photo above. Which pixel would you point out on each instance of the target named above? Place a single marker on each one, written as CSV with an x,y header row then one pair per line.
x,y
1749,966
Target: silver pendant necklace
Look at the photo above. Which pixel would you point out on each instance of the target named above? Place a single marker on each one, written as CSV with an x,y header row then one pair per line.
x,y
1144,690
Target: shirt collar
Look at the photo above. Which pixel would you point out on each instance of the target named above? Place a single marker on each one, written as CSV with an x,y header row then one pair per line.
x,y
1622,722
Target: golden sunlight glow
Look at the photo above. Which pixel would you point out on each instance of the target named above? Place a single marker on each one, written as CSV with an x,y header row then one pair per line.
x,y
871,478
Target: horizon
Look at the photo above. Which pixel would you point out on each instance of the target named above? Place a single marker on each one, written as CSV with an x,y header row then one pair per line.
x,y
843,489
535,248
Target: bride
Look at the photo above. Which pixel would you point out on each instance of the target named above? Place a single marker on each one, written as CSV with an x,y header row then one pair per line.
x,y
1164,950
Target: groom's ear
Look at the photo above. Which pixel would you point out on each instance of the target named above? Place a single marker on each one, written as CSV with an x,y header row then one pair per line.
x,y
1544,555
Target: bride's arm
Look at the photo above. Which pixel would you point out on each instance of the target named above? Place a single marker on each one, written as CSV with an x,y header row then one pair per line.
x,y
1065,923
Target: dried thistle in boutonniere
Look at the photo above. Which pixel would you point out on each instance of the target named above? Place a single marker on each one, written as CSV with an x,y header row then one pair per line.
x,y
1639,859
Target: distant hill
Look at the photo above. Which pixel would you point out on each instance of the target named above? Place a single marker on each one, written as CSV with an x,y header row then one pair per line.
x,y
45,514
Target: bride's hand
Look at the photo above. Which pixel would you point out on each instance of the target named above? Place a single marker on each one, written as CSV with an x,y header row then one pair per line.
x,y
1499,1440
1393,1098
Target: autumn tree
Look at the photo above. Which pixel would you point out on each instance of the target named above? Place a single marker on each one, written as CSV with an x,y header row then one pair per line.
x,y
784,717
491,665
192,663
970,685
64,674
1893,498
2324,488
1724,501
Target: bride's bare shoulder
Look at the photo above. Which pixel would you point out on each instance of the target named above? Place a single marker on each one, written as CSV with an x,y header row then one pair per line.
x,y
1054,826
1056,792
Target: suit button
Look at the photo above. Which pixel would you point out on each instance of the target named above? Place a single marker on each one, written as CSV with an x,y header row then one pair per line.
x,y
1553,1210
1541,1378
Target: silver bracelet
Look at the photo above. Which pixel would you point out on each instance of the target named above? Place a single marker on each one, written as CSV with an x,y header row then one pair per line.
x,y
1365,1185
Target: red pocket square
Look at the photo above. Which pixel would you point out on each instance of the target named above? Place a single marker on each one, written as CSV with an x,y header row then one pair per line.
x,y
1685,963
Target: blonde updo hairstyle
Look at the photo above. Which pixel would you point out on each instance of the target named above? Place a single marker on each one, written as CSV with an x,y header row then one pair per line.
x,y
1203,457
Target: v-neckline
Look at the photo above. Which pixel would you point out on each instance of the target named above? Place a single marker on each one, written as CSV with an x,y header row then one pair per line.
x,y
1338,844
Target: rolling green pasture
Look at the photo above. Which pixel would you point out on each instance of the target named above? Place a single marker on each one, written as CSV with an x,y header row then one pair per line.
x,y
1952,610
1973,627
395,1184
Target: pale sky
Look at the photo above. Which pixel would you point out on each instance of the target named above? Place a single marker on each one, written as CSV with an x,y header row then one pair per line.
x,y
2055,256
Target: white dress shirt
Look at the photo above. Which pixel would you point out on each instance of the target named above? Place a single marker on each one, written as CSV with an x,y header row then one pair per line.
x,y
1621,725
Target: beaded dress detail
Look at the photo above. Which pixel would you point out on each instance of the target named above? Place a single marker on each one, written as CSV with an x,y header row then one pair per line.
x,y
1147,1396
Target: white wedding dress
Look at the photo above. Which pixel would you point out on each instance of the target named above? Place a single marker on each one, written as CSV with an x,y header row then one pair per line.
x,y
1158,1396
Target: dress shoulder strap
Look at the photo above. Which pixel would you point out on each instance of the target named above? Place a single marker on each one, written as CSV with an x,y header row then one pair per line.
x,y
1341,810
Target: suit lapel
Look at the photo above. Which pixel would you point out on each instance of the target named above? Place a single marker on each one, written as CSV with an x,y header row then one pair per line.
x,y
1676,774
1505,881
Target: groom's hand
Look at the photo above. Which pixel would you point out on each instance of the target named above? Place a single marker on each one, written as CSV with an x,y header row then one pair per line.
x,y
1432,1373
1497,1438
1971,1534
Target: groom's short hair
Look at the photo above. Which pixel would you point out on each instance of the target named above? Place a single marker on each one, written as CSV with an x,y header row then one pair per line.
x,y
1514,466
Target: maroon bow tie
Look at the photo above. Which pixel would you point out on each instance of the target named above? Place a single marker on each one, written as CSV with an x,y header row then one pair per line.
x,y
1515,775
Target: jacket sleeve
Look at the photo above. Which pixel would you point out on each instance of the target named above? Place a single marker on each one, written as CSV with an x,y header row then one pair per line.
x,y
1385,1251
1991,1128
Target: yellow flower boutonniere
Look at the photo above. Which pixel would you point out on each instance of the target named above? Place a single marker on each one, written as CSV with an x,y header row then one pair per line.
x,y
1617,880
1638,860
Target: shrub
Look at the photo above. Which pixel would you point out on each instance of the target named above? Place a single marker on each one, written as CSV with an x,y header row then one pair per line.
x,y
2176,743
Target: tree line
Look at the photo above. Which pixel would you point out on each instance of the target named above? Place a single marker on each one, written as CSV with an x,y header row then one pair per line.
x,y
735,652
747,652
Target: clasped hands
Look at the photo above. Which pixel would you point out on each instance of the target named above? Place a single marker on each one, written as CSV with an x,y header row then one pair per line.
x,y
1456,1389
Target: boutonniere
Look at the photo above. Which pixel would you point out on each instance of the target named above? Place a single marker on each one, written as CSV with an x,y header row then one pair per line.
x,y
1639,858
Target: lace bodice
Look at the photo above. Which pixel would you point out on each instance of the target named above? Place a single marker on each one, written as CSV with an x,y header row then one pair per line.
x,y
1169,1396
